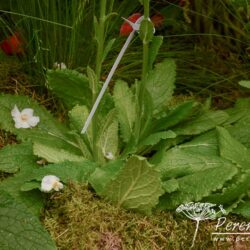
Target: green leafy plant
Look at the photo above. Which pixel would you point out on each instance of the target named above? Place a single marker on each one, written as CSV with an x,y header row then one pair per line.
x,y
143,150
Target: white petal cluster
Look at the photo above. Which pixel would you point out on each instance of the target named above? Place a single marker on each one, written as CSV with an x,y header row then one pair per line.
x,y
51,182
24,118
61,65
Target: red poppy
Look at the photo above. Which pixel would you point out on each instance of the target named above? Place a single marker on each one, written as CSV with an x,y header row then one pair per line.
x,y
126,28
12,45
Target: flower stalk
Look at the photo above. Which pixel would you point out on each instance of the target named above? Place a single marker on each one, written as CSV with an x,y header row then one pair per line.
x,y
135,27
106,83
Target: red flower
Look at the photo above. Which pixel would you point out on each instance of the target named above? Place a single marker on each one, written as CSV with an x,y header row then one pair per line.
x,y
157,20
12,45
126,28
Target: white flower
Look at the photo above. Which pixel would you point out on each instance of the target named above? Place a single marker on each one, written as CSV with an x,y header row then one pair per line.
x,y
59,65
109,156
51,182
25,118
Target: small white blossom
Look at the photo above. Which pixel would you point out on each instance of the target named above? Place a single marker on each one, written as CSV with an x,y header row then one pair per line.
x,y
61,65
24,118
51,182
109,156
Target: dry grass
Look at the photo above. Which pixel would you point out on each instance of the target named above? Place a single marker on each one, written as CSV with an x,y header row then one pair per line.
x,y
15,80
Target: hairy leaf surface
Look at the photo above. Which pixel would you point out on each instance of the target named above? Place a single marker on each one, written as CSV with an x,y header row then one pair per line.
x,y
178,162
70,86
126,107
195,186
32,200
233,150
66,171
202,123
55,154
154,49
238,187
19,228
12,157
156,137
137,186
108,135
243,209
160,83
103,175
175,116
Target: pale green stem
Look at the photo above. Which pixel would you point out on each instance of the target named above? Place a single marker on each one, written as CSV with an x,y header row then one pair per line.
x,y
100,36
145,45
108,79
144,74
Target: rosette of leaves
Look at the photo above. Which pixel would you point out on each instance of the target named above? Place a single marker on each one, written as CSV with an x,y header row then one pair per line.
x,y
144,150
213,167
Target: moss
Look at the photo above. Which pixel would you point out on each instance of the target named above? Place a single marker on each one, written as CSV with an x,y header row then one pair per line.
x,y
77,219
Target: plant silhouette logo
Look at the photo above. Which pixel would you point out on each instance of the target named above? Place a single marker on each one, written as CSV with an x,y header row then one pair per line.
x,y
199,212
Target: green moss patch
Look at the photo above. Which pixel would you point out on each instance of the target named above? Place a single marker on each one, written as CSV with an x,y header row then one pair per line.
x,y
77,219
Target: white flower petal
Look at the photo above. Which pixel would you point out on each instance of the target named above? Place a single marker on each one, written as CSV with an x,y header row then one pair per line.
x,y
21,124
63,66
58,186
15,112
33,121
28,112
50,182
46,187
25,118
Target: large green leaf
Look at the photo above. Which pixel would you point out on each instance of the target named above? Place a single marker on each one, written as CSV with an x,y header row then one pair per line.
x,y
178,162
174,116
78,116
126,107
206,121
137,186
103,175
47,124
66,171
32,200
195,186
237,188
146,114
233,150
205,144
108,136
160,83
19,228
70,86
12,157
243,209
240,130
156,137
154,49
48,131
55,154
